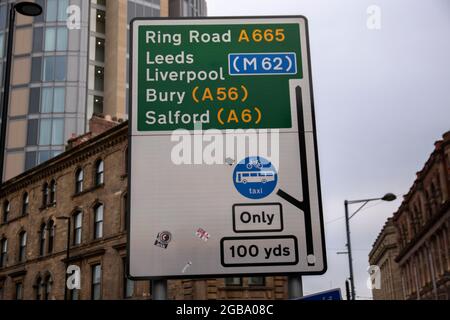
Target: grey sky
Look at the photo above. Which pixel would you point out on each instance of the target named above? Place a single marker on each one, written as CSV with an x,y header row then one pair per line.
x,y
382,98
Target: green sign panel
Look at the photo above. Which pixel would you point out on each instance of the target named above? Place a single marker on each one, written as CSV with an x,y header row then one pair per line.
x,y
222,76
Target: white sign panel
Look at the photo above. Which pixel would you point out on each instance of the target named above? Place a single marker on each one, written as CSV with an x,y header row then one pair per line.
x,y
223,167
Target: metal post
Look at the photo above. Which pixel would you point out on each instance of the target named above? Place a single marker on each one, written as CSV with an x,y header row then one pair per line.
x,y
347,289
349,249
159,289
6,86
295,287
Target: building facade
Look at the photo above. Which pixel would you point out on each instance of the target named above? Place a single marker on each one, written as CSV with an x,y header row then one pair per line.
x,y
68,63
422,223
78,197
187,8
387,284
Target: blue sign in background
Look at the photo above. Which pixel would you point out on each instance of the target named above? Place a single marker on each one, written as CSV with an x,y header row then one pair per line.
x,y
334,294
255,177
262,63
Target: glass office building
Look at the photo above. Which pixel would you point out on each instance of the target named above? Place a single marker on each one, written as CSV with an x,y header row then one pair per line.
x,y
68,63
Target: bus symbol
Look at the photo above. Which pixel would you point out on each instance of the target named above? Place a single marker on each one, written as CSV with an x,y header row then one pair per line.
x,y
255,176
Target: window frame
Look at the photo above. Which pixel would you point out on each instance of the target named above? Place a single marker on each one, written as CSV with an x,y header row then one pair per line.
x,y
77,229
6,211
79,181
45,194
3,252
256,284
229,283
98,232
23,237
94,283
47,287
51,236
42,238
25,203
17,285
52,192
99,173
37,288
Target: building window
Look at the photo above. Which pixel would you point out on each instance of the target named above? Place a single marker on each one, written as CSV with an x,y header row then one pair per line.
x,y
52,192
99,78
36,69
56,39
42,240
77,227
74,294
37,39
45,195
98,105
22,246
25,203
32,135
100,50
30,160
96,281
51,235
233,281
100,22
44,156
4,252
47,287
53,100
79,178
6,209
37,288
19,291
55,68
256,281
34,101
98,221
128,285
99,172
51,132
56,10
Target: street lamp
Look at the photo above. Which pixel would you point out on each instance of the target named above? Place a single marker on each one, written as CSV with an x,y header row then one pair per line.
x,y
67,252
386,197
25,8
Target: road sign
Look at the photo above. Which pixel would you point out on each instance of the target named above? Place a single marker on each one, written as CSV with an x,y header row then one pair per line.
x,y
334,294
223,176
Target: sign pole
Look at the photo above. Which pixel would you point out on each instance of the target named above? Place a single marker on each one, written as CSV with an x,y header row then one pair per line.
x,y
159,289
295,287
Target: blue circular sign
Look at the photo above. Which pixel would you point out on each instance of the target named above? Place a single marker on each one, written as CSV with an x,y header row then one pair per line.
x,y
255,177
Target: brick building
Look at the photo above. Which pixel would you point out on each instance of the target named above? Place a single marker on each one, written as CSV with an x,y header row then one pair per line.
x,y
422,224
87,184
383,254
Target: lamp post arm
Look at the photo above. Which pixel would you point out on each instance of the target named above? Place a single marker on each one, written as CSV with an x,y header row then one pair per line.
x,y
363,200
359,209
